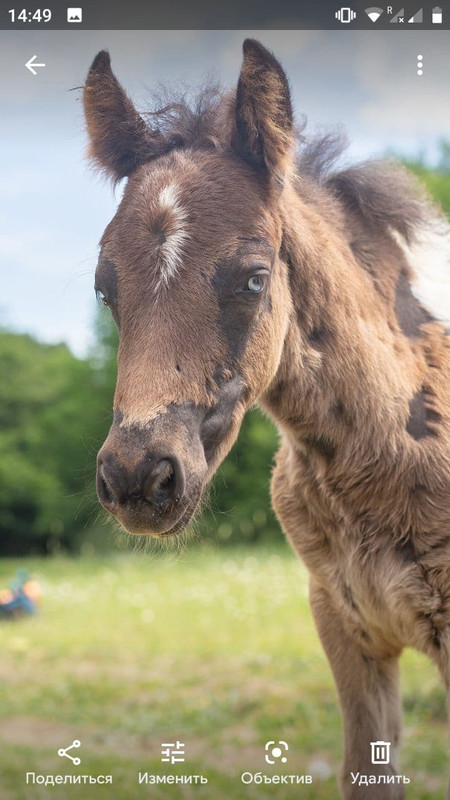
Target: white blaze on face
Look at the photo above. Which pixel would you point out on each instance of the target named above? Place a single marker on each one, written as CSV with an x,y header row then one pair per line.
x,y
171,250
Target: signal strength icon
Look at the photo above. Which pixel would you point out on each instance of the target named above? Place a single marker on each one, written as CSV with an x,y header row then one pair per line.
x,y
374,13
398,18
417,18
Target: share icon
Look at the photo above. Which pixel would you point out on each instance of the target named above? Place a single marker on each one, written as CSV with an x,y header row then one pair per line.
x,y
64,752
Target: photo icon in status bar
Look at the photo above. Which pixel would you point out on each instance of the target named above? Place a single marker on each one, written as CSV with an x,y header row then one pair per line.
x,y
74,15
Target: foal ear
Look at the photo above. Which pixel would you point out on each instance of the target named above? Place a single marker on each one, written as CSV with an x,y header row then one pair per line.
x,y
120,139
264,130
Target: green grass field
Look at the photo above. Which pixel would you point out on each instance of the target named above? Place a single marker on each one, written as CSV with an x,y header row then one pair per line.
x,y
215,648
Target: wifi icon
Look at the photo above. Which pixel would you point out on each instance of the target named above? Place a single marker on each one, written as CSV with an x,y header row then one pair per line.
x,y
374,13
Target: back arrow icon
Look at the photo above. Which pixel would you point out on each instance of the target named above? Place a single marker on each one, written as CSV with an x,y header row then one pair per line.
x,y
32,63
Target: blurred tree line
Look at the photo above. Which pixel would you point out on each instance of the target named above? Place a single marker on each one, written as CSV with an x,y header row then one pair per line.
x,y
55,410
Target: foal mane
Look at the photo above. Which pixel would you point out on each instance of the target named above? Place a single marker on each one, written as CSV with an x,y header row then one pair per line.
x,y
382,193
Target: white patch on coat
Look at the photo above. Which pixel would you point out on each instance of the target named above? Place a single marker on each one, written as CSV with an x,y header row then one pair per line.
x,y
171,251
430,260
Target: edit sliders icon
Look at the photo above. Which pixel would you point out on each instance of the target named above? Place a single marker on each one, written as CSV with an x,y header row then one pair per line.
x,y
345,15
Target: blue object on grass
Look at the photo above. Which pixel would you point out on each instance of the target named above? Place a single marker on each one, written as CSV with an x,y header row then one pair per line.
x,y
20,602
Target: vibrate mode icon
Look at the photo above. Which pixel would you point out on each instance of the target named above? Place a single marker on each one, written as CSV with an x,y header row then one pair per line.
x,y
345,15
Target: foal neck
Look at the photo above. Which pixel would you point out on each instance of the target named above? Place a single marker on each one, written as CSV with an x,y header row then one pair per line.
x,y
350,377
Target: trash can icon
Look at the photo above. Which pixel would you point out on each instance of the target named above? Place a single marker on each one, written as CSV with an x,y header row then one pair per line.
x,y
380,752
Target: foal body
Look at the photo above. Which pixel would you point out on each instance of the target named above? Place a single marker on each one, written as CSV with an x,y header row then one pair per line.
x,y
361,484
238,272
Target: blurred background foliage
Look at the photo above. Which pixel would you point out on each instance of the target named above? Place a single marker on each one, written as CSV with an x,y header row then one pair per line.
x,y
55,410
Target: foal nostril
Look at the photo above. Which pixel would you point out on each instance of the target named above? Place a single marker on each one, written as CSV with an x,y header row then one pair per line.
x,y
164,483
105,490
159,483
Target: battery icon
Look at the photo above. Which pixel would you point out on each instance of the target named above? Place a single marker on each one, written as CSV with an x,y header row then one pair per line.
x,y
436,16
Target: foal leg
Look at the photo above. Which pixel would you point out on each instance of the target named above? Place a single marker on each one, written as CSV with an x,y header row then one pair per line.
x,y
370,699
443,662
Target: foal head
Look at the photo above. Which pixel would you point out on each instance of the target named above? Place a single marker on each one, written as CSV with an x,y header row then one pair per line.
x,y
190,267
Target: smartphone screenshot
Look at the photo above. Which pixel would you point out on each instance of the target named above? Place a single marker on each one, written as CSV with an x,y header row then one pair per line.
x,y
224,401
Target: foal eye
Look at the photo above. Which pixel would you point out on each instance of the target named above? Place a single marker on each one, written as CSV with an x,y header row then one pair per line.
x,y
255,284
101,297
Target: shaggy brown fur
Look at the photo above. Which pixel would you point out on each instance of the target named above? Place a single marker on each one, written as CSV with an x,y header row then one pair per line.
x,y
285,283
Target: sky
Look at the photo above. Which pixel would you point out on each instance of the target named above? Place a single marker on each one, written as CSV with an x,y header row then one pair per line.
x,y
53,207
